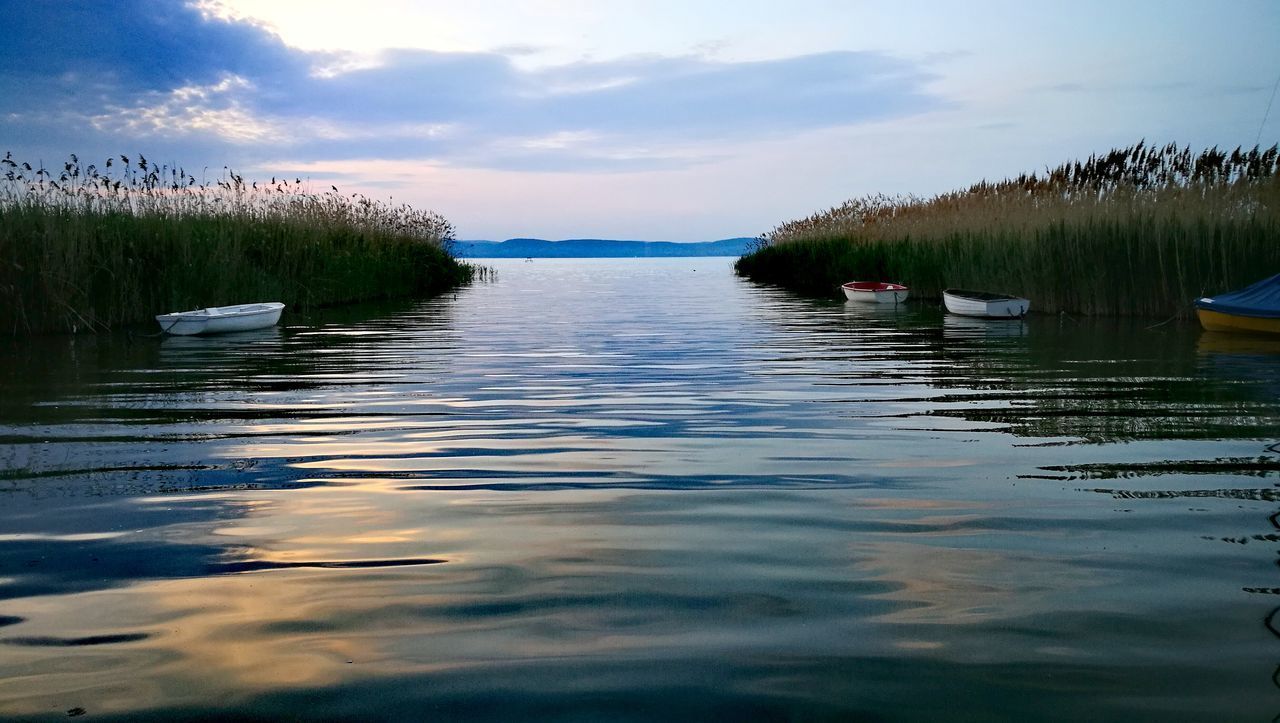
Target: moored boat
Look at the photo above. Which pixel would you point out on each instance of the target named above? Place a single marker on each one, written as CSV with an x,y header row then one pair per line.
x,y
1254,309
877,292
985,304
221,319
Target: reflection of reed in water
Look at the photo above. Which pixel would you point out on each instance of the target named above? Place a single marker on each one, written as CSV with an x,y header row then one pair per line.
x,y
1270,620
1107,380
1265,465
1241,466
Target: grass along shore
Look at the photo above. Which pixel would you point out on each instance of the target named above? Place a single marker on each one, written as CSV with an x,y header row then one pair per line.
x,y
1137,231
86,248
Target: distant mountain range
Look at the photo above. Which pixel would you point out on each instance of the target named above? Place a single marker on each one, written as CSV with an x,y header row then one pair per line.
x,y
520,248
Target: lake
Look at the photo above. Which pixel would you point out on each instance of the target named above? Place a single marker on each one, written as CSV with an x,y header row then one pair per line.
x,y
642,489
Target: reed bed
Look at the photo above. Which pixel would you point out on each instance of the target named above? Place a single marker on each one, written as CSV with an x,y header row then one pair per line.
x,y
84,247
1136,231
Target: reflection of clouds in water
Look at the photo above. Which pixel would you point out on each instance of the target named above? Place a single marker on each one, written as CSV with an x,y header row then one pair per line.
x,y
215,632
958,586
58,548
204,643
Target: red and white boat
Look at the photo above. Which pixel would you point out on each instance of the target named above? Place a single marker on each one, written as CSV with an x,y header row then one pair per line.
x,y
876,292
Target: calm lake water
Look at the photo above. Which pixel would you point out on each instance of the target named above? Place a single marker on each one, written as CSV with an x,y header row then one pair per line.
x,y
642,489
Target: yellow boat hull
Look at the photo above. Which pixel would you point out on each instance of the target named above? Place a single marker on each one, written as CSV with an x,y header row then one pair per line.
x,y
1218,321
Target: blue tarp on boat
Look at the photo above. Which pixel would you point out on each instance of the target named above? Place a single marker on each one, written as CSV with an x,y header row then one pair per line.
x,y
1260,300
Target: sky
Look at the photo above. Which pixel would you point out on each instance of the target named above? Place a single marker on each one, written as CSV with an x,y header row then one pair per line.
x,y
661,120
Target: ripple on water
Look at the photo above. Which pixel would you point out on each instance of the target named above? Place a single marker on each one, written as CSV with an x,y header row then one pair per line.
x,y
640,489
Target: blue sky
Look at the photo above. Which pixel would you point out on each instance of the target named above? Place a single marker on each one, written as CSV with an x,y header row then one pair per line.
x,y
647,119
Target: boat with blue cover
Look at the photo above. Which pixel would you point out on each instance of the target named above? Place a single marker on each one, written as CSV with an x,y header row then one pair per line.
x,y
1252,309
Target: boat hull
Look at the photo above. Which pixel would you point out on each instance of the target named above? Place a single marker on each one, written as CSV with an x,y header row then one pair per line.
x,y
1220,321
1004,307
875,293
221,319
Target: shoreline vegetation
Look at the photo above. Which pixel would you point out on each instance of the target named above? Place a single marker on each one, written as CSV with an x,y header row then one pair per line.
x,y
1139,231
84,248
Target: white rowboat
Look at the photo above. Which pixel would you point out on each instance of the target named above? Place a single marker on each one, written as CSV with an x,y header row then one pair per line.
x,y
985,304
876,292
219,319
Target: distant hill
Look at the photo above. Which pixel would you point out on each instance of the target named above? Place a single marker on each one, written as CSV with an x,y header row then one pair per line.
x,y
519,248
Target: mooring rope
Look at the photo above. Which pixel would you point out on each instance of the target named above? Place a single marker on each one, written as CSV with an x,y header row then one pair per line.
x,y
1166,321
1261,125
162,332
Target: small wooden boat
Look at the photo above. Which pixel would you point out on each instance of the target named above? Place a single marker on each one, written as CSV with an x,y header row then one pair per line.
x,y
877,292
220,319
985,304
1253,309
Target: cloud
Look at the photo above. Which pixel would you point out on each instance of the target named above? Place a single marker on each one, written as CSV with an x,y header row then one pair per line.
x,y
137,74
193,110
134,46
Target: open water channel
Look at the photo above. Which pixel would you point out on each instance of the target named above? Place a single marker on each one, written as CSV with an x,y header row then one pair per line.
x,y
642,489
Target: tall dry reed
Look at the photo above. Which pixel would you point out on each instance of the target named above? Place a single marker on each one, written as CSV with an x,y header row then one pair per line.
x,y
1140,230
83,247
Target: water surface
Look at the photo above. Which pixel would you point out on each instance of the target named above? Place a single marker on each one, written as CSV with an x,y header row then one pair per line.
x,y
642,489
